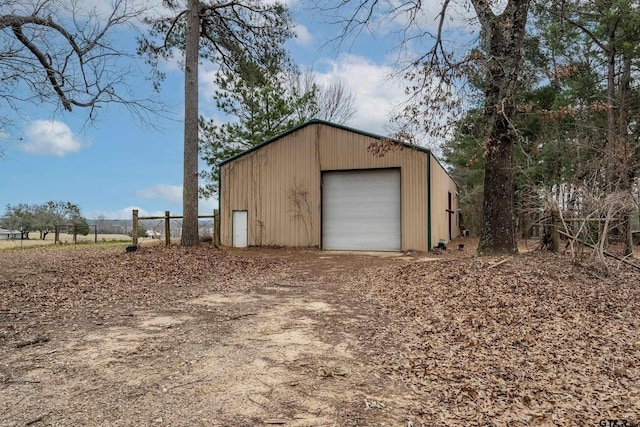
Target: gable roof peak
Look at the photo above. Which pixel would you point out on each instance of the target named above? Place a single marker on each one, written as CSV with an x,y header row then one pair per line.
x,y
316,121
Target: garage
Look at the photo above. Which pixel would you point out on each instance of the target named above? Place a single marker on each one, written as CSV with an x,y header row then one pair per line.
x,y
327,186
361,210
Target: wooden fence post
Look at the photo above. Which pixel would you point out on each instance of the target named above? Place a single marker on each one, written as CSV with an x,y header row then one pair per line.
x,y
134,227
167,228
216,228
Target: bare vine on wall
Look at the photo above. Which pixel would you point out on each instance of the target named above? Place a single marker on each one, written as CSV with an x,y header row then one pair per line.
x,y
257,231
298,197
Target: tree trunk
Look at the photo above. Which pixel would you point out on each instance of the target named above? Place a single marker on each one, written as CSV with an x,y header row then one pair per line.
x,y
629,171
190,184
504,38
524,219
498,222
611,164
555,228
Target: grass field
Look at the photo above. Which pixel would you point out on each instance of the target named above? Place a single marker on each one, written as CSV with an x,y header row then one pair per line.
x,y
65,238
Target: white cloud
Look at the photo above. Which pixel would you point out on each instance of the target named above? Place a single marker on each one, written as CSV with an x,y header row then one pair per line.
x,y
50,137
174,63
124,213
207,82
377,94
303,36
498,6
288,3
171,193
459,16
168,193
206,206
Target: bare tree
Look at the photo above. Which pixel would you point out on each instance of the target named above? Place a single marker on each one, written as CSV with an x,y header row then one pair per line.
x,y
337,103
223,32
60,52
333,101
584,215
435,75
102,224
611,28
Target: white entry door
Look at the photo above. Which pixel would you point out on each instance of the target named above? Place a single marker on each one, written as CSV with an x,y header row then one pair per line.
x,y
239,228
361,210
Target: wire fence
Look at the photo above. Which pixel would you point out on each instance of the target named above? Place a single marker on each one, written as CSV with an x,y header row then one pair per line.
x,y
159,228
169,227
75,231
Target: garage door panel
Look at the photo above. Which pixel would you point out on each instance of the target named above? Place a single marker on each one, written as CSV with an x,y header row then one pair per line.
x,y
361,210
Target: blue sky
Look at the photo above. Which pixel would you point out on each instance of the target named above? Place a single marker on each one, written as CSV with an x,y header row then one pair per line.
x,y
115,165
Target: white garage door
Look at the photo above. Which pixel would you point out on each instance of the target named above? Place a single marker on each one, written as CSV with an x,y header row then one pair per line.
x,y
361,210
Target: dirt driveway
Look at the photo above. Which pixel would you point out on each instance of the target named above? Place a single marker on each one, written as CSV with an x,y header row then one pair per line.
x,y
171,336
233,351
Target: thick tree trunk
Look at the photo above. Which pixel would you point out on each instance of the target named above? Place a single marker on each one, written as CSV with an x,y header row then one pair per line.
x,y
504,38
190,184
498,222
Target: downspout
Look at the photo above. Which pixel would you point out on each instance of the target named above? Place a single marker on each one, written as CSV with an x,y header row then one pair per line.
x,y
429,201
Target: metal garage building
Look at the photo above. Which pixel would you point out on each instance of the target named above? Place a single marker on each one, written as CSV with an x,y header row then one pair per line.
x,y
325,185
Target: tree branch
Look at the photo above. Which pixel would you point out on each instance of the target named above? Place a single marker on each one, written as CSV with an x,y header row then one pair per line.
x,y
46,64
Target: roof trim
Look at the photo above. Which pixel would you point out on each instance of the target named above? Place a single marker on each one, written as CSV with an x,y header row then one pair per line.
x,y
326,123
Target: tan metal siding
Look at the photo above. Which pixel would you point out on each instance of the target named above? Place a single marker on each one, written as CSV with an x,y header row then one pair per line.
x,y
279,186
441,185
344,150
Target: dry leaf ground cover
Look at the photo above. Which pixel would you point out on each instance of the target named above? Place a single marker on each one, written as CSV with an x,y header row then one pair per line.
x,y
169,336
65,238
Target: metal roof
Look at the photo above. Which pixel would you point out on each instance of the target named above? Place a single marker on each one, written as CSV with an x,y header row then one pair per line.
x,y
326,123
